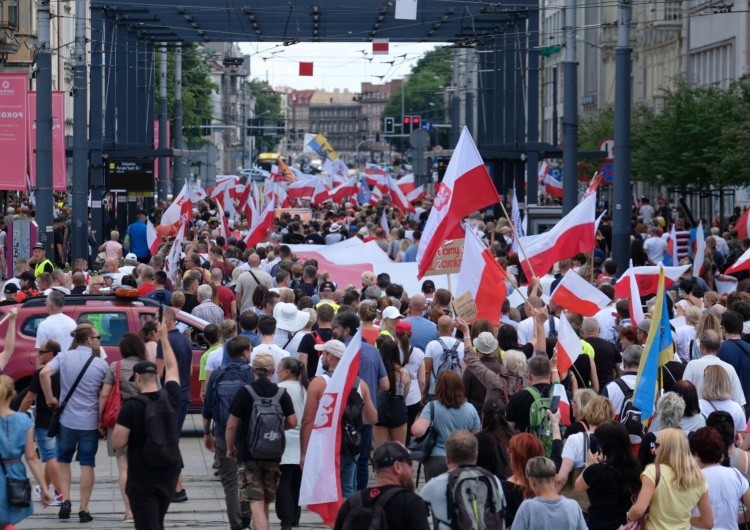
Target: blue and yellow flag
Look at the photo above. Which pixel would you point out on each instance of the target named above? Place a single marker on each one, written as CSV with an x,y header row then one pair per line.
x,y
320,145
657,352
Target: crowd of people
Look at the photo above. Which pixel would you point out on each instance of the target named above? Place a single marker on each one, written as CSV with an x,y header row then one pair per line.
x,y
466,403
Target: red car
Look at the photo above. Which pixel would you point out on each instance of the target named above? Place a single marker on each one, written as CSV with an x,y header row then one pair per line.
x,y
112,316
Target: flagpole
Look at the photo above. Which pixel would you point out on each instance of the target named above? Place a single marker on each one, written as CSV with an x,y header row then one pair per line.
x,y
515,235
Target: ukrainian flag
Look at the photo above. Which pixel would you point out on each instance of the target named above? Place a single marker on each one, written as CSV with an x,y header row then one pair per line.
x,y
657,352
320,145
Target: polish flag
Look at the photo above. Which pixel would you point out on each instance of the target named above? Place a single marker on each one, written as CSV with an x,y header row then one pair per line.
x,y
282,197
260,227
553,186
152,238
564,405
569,345
483,277
302,189
224,192
384,223
375,196
574,233
743,224
742,263
467,187
417,194
543,171
578,296
320,489
670,254
172,263
594,185
699,246
648,279
182,206
346,190
634,299
398,198
321,193
406,183
372,171
223,221
515,219
245,197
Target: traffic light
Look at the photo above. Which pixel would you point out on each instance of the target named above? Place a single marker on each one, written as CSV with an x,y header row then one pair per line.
x,y
416,123
406,125
390,125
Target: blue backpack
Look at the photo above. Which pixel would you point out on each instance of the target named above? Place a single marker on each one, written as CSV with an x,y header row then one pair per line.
x,y
227,381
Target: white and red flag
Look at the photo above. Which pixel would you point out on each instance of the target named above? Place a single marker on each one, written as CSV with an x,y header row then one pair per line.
x,y
743,224
406,183
320,490
569,345
552,186
594,185
321,194
699,247
223,221
578,296
517,222
564,405
182,206
634,299
416,194
398,197
302,189
483,277
648,279
384,223
375,196
574,233
742,263
152,238
544,169
347,189
224,192
466,188
172,263
260,227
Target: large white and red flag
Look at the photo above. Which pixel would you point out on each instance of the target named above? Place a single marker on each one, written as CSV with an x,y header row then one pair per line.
x,y
517,222
224,192
398,197
347,189
742,263
302,189
416,194
634,299
743,224
648,279
321,194
375,196
552,186
172,263
320,490
466,188
152,238
406,183
223,221
594,185
564,405
699,247
578,296
569,345
574,233
182,205
260,227
483,277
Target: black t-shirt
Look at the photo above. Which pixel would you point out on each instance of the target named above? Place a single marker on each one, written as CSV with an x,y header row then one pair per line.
x,y
520,404
132,416
307,345
59,236
582,371
513,499
292,238
242,407
190,302
606,357
405,509
308,288
314,239
609,501
492,456
575,427
183,352
671,373
43,411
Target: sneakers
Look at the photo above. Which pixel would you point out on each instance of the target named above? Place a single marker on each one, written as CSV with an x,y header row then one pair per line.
x,y
180,496
64,512
84,517
38,494
57,499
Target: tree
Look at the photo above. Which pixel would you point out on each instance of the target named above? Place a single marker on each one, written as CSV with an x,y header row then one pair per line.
x,y
424,93
267,108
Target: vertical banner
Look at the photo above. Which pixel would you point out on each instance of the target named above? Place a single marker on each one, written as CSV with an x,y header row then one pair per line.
x,y
20,239
13,124
59,168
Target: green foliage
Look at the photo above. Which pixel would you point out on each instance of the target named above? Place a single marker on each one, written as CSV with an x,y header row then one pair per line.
x,y
267,108
424,93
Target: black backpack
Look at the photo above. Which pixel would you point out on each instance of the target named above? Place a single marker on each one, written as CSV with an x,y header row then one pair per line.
x,y
361,517
351,422
265,435
630,416
161,447
450,360
225,383
474,499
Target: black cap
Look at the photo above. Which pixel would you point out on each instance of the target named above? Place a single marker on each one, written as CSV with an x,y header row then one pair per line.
x,y
428,286
327,287
144,367
38,245
10,288
28,276
389,453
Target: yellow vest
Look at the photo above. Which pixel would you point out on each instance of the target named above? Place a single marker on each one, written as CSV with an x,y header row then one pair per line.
x,y
39,268
329,302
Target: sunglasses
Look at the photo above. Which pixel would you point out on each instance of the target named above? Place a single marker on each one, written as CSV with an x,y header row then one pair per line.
x,y
42,352
98,337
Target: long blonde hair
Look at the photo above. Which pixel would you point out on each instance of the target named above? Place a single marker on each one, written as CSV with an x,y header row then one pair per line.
x,y
7,390
675,453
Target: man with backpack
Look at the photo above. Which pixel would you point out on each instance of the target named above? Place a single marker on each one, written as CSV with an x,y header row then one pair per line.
x,y
620,392
391,502
258,416
540,388
221,389
306,350
147,426
466,491
444,353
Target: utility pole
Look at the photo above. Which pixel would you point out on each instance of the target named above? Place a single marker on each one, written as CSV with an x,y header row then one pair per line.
x,y
179,143
570,109
79,243
163,166
44,199
96,131
623,98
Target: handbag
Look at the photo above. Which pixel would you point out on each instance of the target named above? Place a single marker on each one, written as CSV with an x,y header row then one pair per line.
x,y
19,490
581,497
114,402
640,524
54,420
426,443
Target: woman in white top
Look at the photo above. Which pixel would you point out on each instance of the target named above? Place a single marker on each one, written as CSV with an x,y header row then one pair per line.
x,y
717,395
412,359
112,247
293,378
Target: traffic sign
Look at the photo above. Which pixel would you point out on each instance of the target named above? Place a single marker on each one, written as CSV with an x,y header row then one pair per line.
x,y
427,126
608,145
607,171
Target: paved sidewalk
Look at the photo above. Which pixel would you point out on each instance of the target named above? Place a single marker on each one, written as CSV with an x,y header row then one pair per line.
x,y
205,509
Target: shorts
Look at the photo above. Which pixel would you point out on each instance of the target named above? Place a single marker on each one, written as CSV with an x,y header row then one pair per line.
x,y
111,450
87,443
391,411
47,446
259,480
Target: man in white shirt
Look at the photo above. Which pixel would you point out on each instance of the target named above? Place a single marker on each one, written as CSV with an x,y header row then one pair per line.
x,y
709,345
267,329
437,350
289,322
526,327
631,359
57,326
686,334
646,211
654,246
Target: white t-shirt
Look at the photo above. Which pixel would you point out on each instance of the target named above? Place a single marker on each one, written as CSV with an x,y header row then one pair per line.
x,y
647,211
273,350
725,489
684,335
434,351
58,328
415,361
727,405
281,339
614,393
574,450
214,359
526,329
606,321
694,373
655,247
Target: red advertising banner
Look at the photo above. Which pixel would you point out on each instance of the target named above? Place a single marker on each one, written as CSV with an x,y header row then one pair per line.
x,y
156,146
59,168
13,89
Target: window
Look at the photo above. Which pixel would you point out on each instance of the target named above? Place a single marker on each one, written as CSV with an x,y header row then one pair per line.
x,y
111,326
32,324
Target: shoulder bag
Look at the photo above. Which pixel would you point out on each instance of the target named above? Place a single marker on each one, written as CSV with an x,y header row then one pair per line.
x,y
18,490
114,402
54,421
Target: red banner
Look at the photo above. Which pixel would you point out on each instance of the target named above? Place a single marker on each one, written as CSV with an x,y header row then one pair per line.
x,y
13,89
59,167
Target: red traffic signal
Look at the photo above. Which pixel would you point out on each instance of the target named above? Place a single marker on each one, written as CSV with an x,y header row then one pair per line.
x,y
415,122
